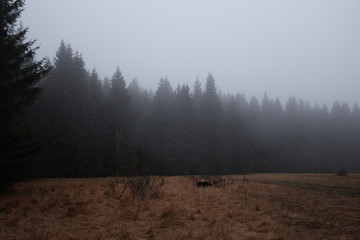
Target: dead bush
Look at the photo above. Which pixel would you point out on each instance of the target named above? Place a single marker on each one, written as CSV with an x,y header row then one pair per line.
x,y
114,190
142,186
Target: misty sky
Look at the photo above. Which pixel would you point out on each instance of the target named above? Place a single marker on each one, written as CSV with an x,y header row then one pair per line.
x,y
303,48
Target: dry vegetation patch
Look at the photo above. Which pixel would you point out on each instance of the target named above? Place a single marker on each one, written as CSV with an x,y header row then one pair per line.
x,y
260,206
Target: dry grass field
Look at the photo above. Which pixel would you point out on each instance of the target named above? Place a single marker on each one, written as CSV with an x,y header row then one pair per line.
x,y
259,206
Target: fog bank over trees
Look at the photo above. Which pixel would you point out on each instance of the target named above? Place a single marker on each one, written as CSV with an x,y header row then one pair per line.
x,y
114,126
307,49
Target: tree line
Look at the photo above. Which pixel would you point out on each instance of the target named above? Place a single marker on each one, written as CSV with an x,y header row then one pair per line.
x,y
107,127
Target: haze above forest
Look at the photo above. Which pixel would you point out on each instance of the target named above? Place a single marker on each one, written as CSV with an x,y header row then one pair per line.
x,y
307,49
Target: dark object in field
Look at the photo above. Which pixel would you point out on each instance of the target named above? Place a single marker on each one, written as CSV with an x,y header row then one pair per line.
x,y
203,184
342,173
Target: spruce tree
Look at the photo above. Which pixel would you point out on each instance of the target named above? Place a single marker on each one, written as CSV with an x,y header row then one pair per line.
x,y
197,93
134,92
118,99
19,74
69,114
211,105
211,116
96,94
163,101
106,86
184,115
118,104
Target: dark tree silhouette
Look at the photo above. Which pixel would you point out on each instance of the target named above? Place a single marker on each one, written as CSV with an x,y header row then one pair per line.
x,y
96,95
118,104
19,76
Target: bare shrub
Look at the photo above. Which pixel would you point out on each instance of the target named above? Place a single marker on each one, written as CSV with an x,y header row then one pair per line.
x,y
142,186
114,190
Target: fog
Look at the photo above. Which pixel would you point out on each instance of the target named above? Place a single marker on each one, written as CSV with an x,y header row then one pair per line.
x,y
146,88
307,49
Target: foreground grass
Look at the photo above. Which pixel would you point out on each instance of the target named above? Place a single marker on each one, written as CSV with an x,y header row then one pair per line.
x,y
261,206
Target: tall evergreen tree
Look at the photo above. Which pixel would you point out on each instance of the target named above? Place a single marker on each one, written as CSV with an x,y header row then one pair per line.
x,y
19,76
96,94
118,104
160,128
197,93
184,104
254,109
106,86
211,116
184,116
211,105
138,106
163,101
118,99
67,108
235,143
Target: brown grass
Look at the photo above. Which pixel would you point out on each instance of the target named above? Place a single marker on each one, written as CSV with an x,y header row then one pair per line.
x,y
261,206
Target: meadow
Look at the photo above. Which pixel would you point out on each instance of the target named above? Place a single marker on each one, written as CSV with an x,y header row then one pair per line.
x,y
249,207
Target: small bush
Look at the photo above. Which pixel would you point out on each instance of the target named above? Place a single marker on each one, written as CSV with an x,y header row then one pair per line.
x,y
116,187
141,186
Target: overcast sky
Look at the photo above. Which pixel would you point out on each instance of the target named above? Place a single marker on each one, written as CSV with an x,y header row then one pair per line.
x,y
309,49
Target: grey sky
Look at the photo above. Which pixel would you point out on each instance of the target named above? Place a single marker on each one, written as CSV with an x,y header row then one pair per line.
x,y
303,48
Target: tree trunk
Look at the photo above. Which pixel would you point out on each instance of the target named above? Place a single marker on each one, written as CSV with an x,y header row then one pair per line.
x,y
117,150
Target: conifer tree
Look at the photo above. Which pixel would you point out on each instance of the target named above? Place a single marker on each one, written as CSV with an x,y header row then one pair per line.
x,y
19,76
184,115
118,104
67,108
211,116
197,93
184,103
135,93
95,87
106,86
118,99
211,103
163,108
